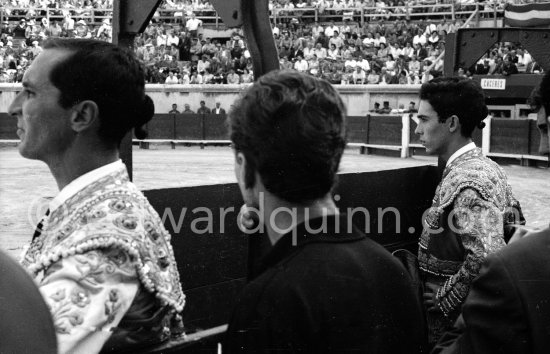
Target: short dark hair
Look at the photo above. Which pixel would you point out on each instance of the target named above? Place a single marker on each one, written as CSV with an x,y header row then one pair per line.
x,y
110,76
290,127
457,96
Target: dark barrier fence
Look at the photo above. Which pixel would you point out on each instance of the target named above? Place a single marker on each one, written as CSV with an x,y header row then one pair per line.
x,y
215,127
187,127
357,129
8,127
508,136
162,126
384,130
213,263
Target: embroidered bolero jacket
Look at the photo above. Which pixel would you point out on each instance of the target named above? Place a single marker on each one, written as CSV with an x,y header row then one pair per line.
x,y
468,220
106,269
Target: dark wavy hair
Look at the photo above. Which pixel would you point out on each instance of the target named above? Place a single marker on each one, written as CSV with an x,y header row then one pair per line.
x,y
457,96
291,129
110,76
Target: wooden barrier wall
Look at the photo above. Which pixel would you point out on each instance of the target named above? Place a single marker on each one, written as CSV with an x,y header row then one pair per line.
x,y
384,130
508,136
8,127
188,127
213,265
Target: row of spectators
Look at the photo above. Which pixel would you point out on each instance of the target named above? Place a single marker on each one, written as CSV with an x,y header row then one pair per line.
x,y
388,53
348,9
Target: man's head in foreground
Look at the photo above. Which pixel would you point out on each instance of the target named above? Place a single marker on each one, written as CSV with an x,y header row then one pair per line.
x,y
449,110
288,132
77,94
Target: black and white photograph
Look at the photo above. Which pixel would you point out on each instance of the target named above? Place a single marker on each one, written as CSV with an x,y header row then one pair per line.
x,y
275,176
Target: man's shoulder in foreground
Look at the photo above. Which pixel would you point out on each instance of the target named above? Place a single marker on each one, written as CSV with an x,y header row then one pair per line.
x,y
97,249
507,310
330,293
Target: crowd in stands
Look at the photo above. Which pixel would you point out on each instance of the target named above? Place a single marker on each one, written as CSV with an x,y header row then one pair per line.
x,y
176,52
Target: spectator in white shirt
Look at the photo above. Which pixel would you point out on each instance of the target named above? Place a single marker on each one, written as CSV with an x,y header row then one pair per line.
x,y
408,51
232,77
172,39
193,25
320,52
316,29
379,39
203,64
162,38
434,38
334,53
363,63
524,58
359,76
301,64
336,40
350,62
419,38
309,51
395,50
68,23
329,31
369,39
171,79
414,65
430,28
185,79
276,31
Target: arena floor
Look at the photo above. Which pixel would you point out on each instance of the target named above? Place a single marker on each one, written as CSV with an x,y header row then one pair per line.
x,y
25,183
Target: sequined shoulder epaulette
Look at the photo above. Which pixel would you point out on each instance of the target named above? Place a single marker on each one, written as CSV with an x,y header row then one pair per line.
x,y
111,213
473,170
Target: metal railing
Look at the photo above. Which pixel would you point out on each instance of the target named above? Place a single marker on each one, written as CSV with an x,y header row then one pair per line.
x,y
210,16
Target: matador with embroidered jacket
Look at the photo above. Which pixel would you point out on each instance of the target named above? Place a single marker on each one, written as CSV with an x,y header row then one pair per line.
x,y
470,218
104,264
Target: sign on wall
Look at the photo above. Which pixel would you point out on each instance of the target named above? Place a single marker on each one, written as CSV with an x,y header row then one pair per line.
x,y
493,84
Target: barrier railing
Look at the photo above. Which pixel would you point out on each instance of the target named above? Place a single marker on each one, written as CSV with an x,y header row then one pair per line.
x,y
95,16
210,16
186,129
509,138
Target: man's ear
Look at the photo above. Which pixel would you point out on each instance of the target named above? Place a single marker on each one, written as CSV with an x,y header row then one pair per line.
x,y
85,115
240,167
454,123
